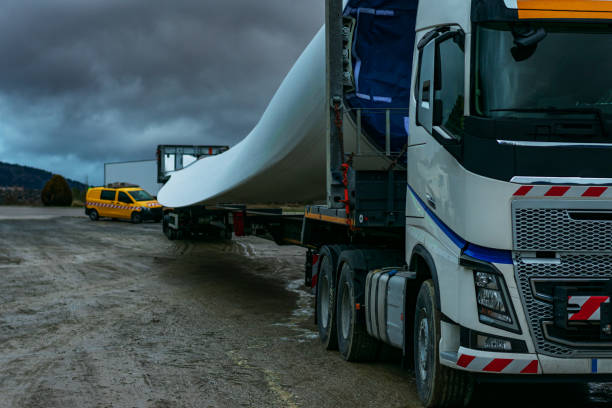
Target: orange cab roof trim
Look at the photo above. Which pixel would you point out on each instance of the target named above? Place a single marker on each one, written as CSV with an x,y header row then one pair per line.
x,y
565,9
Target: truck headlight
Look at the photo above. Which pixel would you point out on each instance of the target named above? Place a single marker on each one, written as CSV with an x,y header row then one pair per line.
x,y
492,298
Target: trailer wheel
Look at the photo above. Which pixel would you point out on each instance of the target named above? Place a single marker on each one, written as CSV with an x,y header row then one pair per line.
x,y
168,232
354,342
326,296
438,386
93,215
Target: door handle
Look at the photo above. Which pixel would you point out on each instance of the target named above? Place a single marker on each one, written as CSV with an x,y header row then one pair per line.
x,y
430,201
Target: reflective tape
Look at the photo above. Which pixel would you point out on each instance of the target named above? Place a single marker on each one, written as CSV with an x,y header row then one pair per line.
x,y
471,361
564,191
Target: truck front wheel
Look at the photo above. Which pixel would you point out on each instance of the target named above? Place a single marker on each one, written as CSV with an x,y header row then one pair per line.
x,y
326,300
354,343
438,386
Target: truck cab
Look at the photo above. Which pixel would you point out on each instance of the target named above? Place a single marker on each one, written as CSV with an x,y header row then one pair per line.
x,y
506,242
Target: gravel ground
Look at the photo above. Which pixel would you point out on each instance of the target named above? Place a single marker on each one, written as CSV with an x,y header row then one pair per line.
x,y
110,314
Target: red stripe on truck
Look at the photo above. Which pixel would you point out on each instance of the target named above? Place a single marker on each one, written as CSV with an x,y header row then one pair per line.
x,y
531,368
498,365
465,360
594,191
523,190
557,191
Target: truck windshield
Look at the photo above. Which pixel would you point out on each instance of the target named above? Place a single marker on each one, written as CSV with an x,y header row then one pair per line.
x,y
561,69
141,195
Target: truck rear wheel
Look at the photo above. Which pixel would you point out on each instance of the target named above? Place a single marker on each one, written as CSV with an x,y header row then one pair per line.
x,y
438,386
354,342
168,232
326,300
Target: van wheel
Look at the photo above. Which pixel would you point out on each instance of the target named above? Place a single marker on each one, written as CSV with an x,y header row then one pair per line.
x,y
93,215
136,218
354,342
438,386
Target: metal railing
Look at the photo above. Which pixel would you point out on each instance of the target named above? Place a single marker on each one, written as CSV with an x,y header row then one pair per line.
x,y
359,112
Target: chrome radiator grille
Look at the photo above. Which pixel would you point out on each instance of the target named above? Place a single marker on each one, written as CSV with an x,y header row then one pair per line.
x,y
554,229
572,267
579,234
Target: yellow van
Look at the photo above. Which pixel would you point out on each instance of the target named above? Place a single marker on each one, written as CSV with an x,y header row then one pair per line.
x,y
123,202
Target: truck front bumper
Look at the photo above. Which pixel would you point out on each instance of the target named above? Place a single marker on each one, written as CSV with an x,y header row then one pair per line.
x,y
485,362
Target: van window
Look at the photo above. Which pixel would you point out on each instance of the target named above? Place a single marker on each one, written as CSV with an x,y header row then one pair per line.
x,y
141,195
124,198
107,195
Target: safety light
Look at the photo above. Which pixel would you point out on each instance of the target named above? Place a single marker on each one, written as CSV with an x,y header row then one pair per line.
x,y
493,343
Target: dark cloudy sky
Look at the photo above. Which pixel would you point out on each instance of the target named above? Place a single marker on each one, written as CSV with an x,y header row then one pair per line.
x,y
84,82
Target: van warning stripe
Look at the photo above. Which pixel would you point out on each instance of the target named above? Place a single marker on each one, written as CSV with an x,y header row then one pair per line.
x,y
106,205
565,9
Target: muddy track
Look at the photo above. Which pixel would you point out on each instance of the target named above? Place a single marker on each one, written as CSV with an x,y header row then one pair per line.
x,y
111,314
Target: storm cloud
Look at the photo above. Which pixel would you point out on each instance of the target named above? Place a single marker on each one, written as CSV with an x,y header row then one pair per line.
x,y
88,82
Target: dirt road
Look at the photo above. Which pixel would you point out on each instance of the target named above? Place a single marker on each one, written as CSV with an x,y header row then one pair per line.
x,y
111,314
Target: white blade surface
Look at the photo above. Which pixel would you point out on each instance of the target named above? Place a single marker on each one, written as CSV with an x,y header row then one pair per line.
x,y
282,160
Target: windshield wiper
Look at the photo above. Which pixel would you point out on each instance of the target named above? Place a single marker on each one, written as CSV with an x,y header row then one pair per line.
x,y
559,111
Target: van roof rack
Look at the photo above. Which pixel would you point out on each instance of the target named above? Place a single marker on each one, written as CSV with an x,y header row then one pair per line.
x,y
121,185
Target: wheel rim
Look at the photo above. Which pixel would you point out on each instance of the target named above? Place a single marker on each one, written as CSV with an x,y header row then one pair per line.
x,y
346,311
423,347
324,296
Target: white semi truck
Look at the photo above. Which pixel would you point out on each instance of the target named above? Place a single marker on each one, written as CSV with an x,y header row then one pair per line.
x,y
479,239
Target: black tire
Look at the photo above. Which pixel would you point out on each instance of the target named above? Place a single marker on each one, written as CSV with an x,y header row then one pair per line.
x,y
168,232
354,342
438,386
326,299
136,217
93,215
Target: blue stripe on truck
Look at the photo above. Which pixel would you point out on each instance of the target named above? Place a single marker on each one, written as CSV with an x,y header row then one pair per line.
x,y
499,256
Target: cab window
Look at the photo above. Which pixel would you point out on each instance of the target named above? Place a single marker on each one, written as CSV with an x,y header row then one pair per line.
x,y
107,195
452,72
441,83
124,198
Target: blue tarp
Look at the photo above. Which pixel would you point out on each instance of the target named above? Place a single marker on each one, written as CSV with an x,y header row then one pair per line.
x,y
382,62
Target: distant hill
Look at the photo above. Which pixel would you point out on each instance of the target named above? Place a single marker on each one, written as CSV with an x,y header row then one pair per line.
x,y
14,175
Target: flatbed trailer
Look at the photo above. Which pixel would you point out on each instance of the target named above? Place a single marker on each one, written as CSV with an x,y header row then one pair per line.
x,y
483,250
